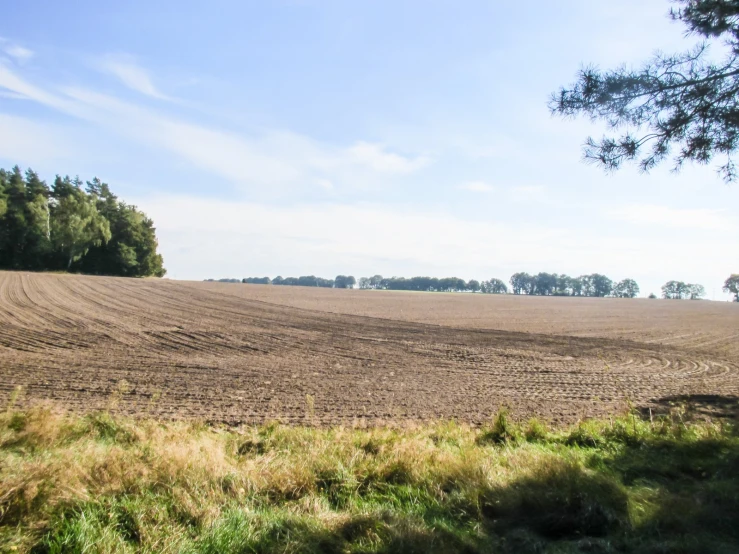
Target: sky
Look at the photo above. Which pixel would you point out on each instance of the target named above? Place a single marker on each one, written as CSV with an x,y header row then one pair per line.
x,y
402,137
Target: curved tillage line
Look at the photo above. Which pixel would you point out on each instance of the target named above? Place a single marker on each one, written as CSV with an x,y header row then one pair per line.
x,y
29,340
16,304
112,306
52,298
6,314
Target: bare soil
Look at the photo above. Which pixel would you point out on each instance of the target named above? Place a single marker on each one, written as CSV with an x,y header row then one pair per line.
x,y
250,353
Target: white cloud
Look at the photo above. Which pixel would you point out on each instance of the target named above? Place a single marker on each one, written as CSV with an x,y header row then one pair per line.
x,y
695,218
324,183
18,53
26,141
132,75
477,186
271,158
377,158
21,88
197,231
528,193
12,95
199,235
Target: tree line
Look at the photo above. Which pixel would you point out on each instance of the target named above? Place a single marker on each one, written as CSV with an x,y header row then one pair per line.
x,y
339,282
433,284
73,226
541,284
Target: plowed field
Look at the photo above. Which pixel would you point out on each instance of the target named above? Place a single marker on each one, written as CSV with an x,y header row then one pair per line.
x,y
240,353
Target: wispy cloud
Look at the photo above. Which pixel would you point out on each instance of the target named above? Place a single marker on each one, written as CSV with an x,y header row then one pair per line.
x,y
135,77
17,52
269,158
324,183
477,186
376,157
527,193
18,87
27,141
694,218
199,234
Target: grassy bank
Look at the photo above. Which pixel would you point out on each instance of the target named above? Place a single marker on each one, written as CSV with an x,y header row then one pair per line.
x,y
103,484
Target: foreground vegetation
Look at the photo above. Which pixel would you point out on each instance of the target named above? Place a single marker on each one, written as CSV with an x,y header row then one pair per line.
x,y
100,483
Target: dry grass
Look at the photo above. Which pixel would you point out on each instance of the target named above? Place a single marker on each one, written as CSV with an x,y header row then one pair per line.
x,y
104,484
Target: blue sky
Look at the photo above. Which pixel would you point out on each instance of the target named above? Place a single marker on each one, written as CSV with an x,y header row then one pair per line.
x,y
319,137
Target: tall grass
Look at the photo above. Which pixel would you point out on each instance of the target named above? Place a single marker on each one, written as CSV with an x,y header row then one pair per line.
x,y
100,483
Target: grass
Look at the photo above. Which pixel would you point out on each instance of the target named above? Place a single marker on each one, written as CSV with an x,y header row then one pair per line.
x,y
100,483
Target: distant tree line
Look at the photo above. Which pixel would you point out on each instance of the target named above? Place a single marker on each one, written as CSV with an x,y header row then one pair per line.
x,y
339,282
72,227
541,284
433,284
553,284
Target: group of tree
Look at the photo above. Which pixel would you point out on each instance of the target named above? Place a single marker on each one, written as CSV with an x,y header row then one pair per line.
x,y
552,284
73,226
677,290
542,284
432,284
339,282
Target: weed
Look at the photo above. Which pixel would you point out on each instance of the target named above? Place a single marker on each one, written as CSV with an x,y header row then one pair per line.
x,y
535,431
501,431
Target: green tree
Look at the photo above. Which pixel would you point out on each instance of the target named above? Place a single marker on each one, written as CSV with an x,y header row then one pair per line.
x,y
602,285
732,285
14,222
473,285
545,283
522,283
38,213
564,285
76,225
576,286
375,282
685,103
695,292
596,285
626,289
24,220
345,282
494,286
132,248
675,290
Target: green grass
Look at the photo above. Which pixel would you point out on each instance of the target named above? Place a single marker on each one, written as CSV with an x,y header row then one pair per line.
x,y
101,483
